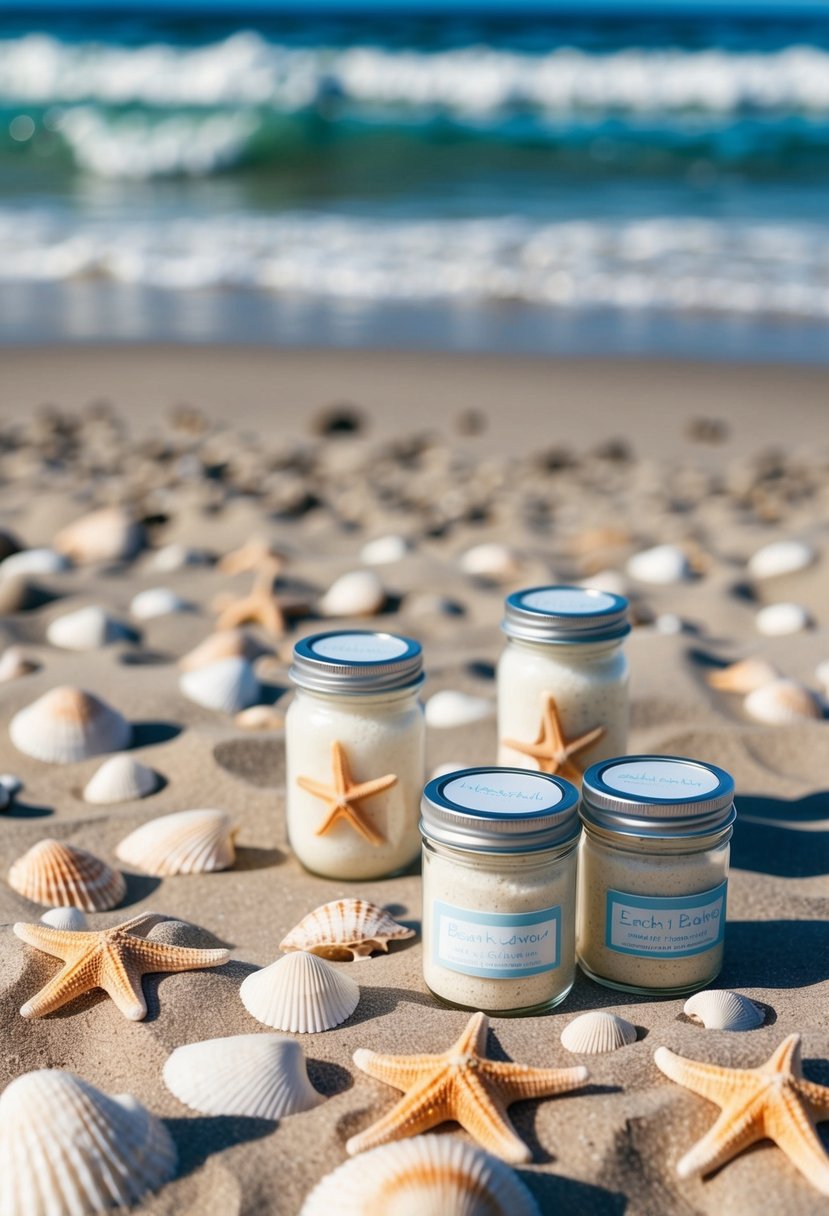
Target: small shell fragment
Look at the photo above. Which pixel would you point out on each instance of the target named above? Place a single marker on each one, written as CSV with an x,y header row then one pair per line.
x,y
176,557
450,708
300,993
33,561
781,557
359,593
345,929
719,1009
781,702
661,565
384,549
187,842
67,724
743,676
71,920
491,561
228,685
87,628
14,663
260,717
120,779
63,875
157,601
596,1032
777,620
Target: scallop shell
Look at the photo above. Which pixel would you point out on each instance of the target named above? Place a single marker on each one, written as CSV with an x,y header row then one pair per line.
x,y
490,560
188,842
68,1148
72,920
384,549
157,601
259,1076
781,557
450,708
777,620
422,1176
68,724
33,561
226,644
106,535
300,993
743,676
723,1010
120,779
345,929
62,875
14,664
359,593
781,702
596,1032
87,629
228,686
660,565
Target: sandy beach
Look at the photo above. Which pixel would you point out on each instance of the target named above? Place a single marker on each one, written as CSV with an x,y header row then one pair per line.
x,y
575,466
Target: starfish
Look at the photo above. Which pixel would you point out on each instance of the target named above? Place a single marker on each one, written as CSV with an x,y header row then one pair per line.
x,y
344,796
772,1102
113,959
253,555
461,1084
552,751
260,607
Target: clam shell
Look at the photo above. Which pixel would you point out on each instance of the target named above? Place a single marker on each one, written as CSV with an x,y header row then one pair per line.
x,y
228,685
345,929
226,644
723,1010
660,565
781,557
300,993
384,549
33,561
87,629
68,724
157,601
596,1032
72,920
259,1076
450,708
490,560
359,593
62,875
68,1149
188,842
422,1176
743,676
106,535
777,620
14,664
781,702
120,779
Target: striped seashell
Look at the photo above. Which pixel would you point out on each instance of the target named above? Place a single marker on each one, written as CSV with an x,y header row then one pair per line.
x,y
724,1010
345,929
258,1076
450,708
62,875
87,629
157,601
187,842
596,1032
662,565
228,686
779,620
108,534
14,663
71,920
120,779
68,724
68,1149
359,593
225,644
491,561
781,702
422,1176
781,557
33,561
743,676
300,993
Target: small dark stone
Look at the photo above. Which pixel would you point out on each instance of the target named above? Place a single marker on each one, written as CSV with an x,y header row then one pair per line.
x,y
617,451
338,420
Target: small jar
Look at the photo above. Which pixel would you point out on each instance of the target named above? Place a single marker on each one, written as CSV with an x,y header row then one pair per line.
x,y
499,889
563,680
355,742
653,873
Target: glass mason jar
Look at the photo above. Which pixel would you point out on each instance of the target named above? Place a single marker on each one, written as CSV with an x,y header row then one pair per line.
x,y
499,889
355,753
563,680
653,873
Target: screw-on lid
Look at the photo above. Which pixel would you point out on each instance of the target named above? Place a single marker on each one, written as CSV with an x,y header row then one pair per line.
x,y
657,796
355,661
564,614
500,810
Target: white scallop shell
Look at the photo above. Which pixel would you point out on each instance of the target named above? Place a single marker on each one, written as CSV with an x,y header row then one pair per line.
x,y
14,663
384,549
259,1076
450,708
743,676
228,685
597,1031
776,620
187,842
33,561
422,1176
106,535
781,702
300,993
359,593
87,629
490,560
68,1149
345,929
120,779
157,601
781,557
225,644
72,920
68,724
62,875
661,565
723,1010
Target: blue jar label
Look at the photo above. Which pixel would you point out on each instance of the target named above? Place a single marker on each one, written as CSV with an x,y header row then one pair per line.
x,y
496,945
674,926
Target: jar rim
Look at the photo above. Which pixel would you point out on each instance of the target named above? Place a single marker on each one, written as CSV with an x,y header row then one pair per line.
x,y
657,796
563,613
353,662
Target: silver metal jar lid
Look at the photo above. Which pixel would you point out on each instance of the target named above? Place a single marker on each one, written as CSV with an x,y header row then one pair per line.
x,y
563,614
500,810
657,796
355,661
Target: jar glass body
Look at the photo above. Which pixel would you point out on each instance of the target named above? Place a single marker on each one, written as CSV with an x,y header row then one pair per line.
x,y
381,734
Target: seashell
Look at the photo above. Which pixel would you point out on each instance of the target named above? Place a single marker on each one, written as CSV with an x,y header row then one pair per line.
x,y
120,779
187,842
62,875
423,1176
300,993
781,702
259,717
226,644
669,623
781,557
11,784
775,620
662,565
254,553
490,560
258,1076
33,561
345,929
87,629
822,674
596,1032
228,685
109,534
723,1010
14,664
68,1148
68,724
743,676
384,549
20,594
72,920
176,557
157,601
359,593
451,708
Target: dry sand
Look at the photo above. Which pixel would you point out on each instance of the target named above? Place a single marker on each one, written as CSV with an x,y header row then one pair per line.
x,y
542,476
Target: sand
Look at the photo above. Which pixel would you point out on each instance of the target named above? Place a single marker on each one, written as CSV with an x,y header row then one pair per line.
x,y
533,466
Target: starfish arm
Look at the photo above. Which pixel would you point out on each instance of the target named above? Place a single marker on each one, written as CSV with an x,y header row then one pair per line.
x,y
53,941
519,1081
122,984
480,1110
61,989
817,1097
569,770
353,818
367,789
144,920
473,1039
424,1107
536,750
708,1080
786,1058
158,956
402,1072
551,724
325,792
340,768
732,1132
232,614
789,1124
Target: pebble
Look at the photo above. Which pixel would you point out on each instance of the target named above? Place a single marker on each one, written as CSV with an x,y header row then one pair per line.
x,y
663,564
384,549
490,560
775,620
780,702
782,557
359,593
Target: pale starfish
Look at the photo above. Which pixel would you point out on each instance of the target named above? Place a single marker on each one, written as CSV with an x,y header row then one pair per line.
x,y
461,1084
553,752
772,1102
344,797
113,959
256,554
260,607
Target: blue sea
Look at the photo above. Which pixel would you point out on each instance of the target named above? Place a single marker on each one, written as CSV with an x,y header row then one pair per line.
x,y
599,181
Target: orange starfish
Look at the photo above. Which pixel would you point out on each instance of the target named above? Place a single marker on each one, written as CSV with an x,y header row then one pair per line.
x,y
344,796
253,555
461,1084
260,607
552,751
772,1102
113,959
